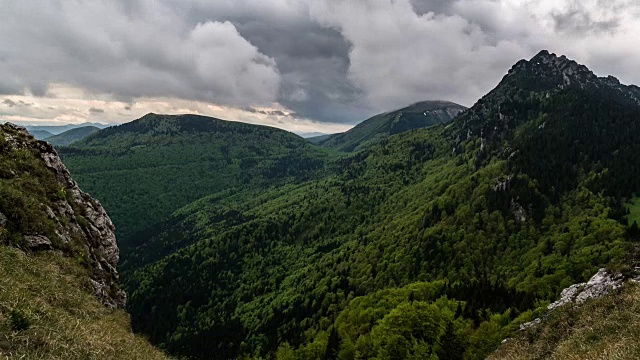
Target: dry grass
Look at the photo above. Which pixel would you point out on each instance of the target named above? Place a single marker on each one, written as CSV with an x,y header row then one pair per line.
x,y
606,328
66,321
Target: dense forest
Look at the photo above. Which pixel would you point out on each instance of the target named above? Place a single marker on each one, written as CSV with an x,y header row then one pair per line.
x,y
434,243
144,170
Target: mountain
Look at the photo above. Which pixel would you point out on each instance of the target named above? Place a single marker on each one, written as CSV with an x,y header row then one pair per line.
x,y
442,240
59,129
41,134
308,135
318,138
71,136
144,170
416,116
60,295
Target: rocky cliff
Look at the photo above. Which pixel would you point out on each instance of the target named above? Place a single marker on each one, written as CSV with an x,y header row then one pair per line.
x,y
42,209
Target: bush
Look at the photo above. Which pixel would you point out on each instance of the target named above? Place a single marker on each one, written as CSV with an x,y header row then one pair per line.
x,y
19,321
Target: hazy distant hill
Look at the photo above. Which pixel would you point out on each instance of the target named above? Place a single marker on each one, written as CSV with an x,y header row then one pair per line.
x,y
318,138
40,134
418,115
71,136
58,129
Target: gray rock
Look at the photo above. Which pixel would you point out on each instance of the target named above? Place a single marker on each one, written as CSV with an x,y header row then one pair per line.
x,y
78,218
568,295
37,242
530,324
3,220
600,284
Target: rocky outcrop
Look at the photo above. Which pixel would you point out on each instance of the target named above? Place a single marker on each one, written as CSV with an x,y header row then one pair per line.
x,y
80,221
37,242
600,284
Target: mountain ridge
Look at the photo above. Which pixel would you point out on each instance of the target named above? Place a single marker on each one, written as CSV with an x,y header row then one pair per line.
x,y
415,116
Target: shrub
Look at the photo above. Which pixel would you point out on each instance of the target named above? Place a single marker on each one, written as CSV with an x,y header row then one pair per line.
x,y
19,321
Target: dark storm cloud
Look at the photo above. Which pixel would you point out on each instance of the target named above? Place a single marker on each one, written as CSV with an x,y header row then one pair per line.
x,y
436,6
313,60
579,21
96,110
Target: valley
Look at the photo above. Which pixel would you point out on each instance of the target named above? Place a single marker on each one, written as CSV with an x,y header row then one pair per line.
x,y
307,252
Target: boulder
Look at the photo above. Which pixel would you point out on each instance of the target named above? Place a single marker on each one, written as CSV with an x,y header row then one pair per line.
x,y
3,220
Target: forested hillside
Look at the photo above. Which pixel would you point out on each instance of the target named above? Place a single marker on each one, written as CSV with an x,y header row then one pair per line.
x,y
434,242
146,169
369,132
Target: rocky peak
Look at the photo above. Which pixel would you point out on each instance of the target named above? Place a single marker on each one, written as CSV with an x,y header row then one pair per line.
x,y
557,70
79,221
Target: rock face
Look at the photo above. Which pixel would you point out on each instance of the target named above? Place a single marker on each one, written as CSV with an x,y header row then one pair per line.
x,y
80,221
600,284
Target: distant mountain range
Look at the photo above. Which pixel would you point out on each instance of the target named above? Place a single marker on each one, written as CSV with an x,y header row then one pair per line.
x,y
58,129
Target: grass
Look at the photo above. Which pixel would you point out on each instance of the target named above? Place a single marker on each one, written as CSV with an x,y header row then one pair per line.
x,y
634,207
606,328
48,312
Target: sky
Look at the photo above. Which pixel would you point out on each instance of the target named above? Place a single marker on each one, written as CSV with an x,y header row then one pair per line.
x,y
304,66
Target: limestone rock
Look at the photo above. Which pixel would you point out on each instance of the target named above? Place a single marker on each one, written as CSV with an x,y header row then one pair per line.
x,y
568,295
37,242
78,218
600,284
530,324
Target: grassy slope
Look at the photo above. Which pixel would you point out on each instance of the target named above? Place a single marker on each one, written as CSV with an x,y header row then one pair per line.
x,y
606,328
634,210
66,320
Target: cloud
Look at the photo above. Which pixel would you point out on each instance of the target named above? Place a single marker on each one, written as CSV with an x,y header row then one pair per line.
x,y
96,46
398,57
9,102
323,61
403,51
96,110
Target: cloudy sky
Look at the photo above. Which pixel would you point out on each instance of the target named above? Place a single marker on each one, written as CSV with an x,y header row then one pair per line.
x,y
313,65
